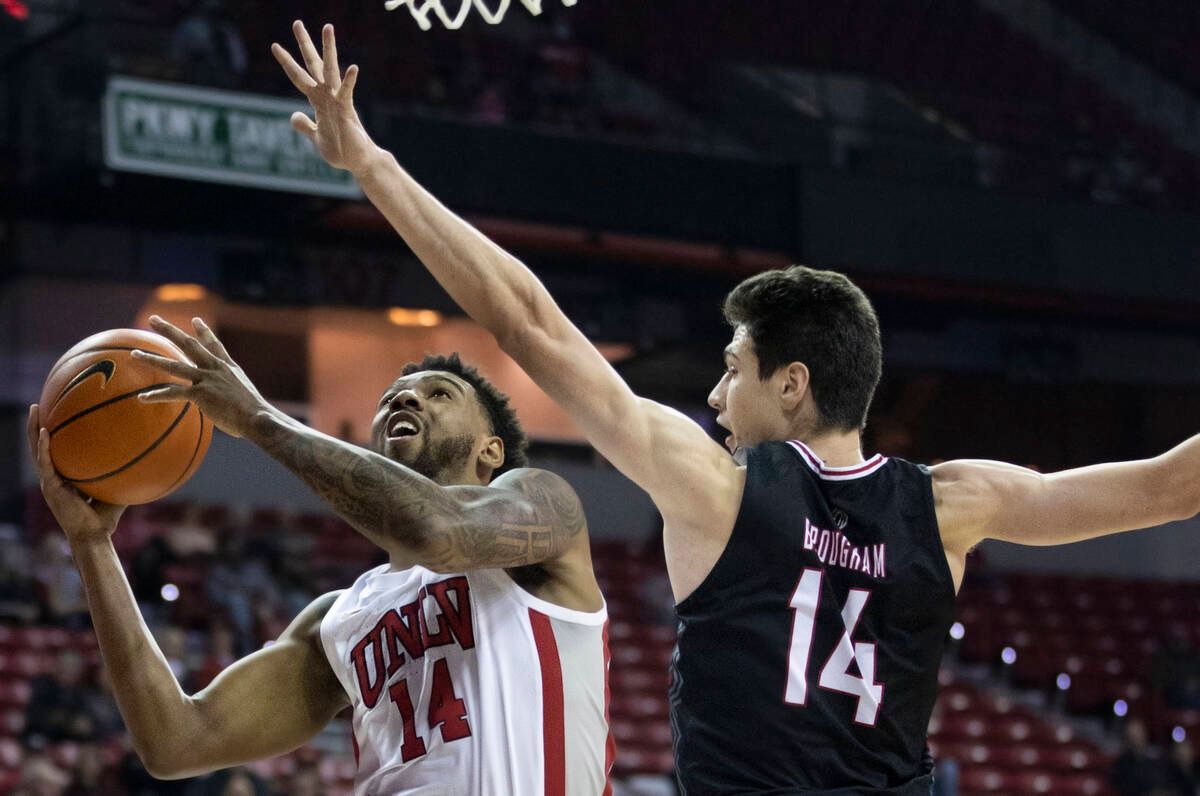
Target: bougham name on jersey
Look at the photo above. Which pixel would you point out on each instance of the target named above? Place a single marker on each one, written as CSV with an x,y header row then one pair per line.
x,y
834,549
405,633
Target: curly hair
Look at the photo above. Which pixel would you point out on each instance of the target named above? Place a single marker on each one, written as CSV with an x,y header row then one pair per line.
x,y
503,419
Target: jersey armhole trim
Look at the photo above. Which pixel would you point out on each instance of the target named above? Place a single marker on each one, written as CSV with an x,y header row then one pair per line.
x,y
939,543
686,602
590,618
329,650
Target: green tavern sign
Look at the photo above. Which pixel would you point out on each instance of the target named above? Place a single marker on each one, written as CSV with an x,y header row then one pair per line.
x,y
203,134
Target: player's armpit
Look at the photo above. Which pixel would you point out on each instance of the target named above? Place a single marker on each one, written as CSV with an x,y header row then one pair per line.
x,y
265,704
979,500
526,516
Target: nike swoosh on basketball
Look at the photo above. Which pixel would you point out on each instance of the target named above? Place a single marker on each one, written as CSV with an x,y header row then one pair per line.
x,y
105,367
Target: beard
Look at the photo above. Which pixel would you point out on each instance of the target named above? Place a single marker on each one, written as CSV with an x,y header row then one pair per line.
x,y
443,456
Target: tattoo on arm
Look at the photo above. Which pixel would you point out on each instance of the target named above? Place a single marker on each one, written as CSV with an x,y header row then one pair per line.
x,y
527,517
531,516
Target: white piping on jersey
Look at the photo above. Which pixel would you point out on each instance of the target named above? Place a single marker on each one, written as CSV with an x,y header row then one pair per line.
x,y
558,611
823,471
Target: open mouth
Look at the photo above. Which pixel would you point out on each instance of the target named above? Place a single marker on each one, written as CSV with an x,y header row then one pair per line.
x,y
403,427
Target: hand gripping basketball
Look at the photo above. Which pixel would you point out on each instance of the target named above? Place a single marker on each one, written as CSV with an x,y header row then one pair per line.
x,y
218,385
83,520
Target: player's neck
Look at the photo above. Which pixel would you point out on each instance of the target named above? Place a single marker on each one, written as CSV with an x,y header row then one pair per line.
x,y
835,448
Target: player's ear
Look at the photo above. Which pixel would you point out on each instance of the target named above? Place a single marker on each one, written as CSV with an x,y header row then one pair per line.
x,y
793,384
491,455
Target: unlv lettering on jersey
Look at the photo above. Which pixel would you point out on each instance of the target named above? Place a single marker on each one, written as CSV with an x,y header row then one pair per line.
x,y
440,615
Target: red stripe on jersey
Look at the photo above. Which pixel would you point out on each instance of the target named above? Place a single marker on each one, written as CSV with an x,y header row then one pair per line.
x,y
553,732
610,744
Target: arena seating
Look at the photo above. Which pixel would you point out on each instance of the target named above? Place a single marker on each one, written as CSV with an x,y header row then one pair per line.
x,y
1162,34
1101,632
950,56
1002,747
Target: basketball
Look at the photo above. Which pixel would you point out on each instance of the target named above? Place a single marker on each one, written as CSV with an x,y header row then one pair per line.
x,y
106,442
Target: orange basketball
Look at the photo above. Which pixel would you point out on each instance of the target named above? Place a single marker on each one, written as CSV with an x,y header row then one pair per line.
x,y
106,442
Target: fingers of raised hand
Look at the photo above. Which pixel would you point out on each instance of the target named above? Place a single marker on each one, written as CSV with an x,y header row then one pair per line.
x,y
300,78
168,394
308,51
333,75
304,125
346,92
209,340
188,344
172,367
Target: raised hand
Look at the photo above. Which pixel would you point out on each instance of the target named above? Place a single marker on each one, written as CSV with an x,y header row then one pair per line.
x,y
337,131
81,518
219,387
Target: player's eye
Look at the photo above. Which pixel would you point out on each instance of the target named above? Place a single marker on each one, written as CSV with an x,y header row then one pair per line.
x,y
387,399
440,391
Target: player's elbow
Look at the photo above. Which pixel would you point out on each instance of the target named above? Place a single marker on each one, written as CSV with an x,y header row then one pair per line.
x,y
171,752
160,769
533,331
1175,490
163,761
521,339
1182,494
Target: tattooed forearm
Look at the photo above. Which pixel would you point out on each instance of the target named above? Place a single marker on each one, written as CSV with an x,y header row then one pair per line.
x,y
385,501
528,516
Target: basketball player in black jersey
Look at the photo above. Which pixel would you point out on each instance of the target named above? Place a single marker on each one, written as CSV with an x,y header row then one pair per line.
x,y
815,586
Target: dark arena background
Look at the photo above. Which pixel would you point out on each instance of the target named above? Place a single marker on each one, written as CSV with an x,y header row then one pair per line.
x,y
1015,184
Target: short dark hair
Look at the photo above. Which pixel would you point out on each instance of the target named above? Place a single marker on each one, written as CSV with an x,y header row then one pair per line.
x,y
822,319
503,419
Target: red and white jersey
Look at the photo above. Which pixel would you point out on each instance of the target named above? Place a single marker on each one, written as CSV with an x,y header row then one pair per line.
x,y
467,685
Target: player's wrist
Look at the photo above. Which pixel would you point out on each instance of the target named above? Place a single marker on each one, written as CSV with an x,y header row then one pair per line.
x,y
265,425
372,159
89,541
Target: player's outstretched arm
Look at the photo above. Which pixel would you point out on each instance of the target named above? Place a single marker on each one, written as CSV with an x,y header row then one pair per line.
x,y
264,705
526,516
979,500
691,478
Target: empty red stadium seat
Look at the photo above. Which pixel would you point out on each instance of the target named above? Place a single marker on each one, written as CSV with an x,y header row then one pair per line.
x,y
11,753
14,693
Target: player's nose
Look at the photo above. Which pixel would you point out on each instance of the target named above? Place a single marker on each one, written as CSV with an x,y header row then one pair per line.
x,y
715,397
408,399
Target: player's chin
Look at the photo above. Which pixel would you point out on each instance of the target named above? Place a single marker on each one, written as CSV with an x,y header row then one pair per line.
x,y
402,449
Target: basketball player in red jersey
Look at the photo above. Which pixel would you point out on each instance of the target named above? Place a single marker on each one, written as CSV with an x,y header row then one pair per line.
x,y
814,586
475,661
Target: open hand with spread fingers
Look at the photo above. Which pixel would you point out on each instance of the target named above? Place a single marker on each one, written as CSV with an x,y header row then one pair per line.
x,y
219,387
337,131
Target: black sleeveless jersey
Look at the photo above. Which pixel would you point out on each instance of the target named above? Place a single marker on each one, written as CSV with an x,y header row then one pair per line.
x,y
807,660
